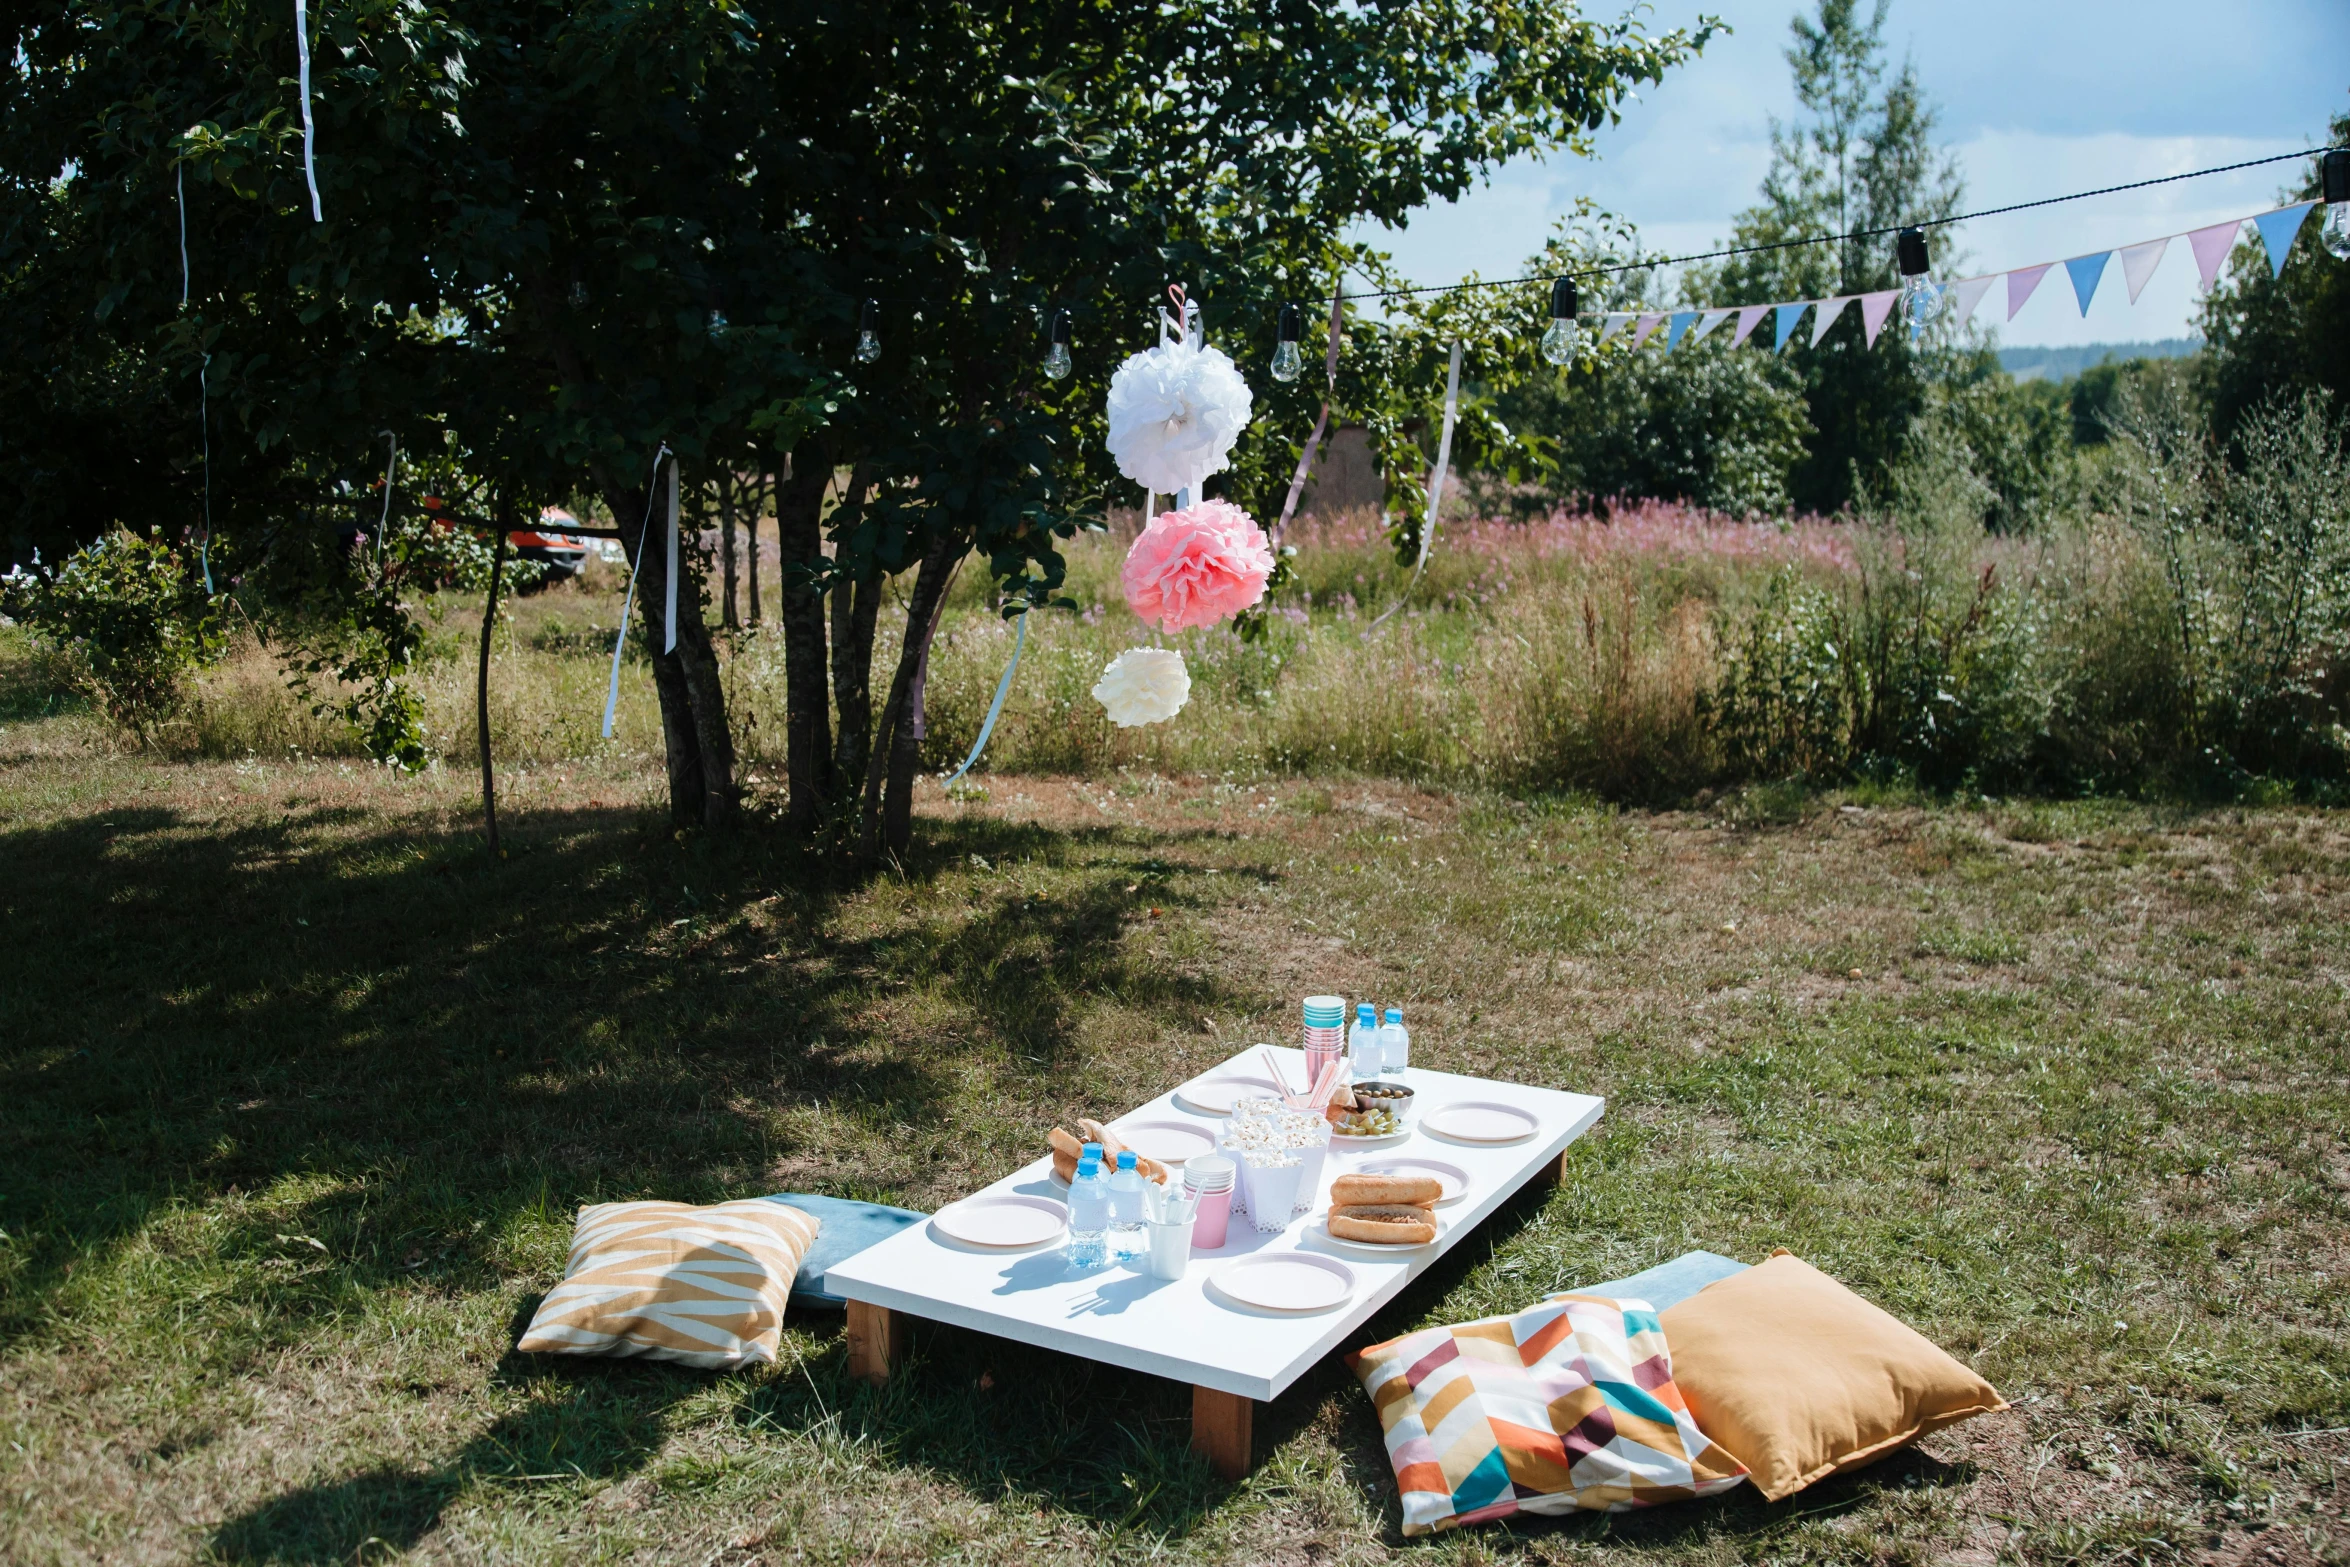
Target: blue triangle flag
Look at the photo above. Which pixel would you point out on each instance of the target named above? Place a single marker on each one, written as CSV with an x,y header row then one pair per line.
x,y
2277,230
2088,272
1787,316
1683,320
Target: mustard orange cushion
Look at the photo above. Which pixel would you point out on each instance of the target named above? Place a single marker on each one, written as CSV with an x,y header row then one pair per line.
x,y
1797,1377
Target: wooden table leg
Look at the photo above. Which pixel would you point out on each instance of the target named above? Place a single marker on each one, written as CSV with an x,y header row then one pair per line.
x,y
876,1336
1222,1425
1554,1173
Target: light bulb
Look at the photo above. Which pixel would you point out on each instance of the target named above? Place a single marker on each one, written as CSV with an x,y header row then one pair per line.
x,y
1287,362
868,337
2335,236
1559,340
1921,302
1056,362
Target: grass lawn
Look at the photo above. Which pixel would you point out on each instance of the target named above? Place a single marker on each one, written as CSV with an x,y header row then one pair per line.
x,y
298,1093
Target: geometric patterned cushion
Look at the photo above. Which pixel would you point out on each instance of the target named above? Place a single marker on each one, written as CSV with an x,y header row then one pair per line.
x,y
1566,1405
671,1281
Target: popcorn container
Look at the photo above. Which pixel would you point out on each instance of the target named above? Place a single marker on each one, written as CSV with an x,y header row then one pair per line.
x,y
1272,1188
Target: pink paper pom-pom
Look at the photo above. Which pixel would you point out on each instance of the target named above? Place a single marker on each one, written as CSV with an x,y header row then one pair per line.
x,y
1196,567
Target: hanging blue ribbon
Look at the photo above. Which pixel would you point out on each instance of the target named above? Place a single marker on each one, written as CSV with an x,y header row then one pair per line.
x,y
995,708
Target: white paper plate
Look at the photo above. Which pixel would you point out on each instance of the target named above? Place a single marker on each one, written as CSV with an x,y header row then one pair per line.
x,y
1455,1180
1003,1223
1321,1233
1481,1121
1294,1282
1217,1095
1169,1142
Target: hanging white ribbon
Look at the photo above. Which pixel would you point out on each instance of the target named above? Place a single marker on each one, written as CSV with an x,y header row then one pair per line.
x,y
628,599
995,708
309,132
669,609
203,386
1305,459
391,467
1452,408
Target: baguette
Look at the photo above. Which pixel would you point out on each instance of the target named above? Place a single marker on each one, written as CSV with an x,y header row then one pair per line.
x,y
1419,1190
1384,1224
1068,1149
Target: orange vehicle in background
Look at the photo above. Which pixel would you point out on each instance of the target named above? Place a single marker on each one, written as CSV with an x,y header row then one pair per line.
x,y
564,554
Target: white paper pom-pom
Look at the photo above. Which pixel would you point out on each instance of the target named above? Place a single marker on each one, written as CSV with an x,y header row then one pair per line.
x,y
1143,685
1175,412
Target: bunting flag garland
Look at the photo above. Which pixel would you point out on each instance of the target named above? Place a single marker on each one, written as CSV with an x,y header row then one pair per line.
x,y
2277,230
2020,284
1874,308
1829,310
2087,272
1789,316
1969,293
2139,262
2211,247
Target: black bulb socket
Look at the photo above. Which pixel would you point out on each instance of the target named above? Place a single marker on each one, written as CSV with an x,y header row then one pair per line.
x,y
1909,246
869,316
1058,331
1291,326
2333,173
1563,303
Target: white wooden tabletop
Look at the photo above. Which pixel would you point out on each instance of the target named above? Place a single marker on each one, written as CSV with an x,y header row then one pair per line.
x,y
1179,1328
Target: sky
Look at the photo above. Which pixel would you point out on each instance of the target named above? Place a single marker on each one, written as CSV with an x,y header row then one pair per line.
x,y
2037,98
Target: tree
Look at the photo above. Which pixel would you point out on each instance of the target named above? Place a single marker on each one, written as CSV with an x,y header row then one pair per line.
x,y
1864,158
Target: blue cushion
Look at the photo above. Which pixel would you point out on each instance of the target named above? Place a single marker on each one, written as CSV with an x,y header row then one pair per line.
x,y
1666,1284
848,1228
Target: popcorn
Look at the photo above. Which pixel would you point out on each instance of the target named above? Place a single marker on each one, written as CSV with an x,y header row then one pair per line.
x,y
1274,1129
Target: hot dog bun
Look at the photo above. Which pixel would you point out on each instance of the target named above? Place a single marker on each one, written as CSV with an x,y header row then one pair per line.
x,y
1422,1190
1383,1224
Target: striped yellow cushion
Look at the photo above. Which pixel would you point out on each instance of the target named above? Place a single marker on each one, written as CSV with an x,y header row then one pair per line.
x,y
675,1282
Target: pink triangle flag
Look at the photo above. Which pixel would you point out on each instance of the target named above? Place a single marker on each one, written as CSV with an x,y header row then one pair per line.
x,y
2211,247
1616,322
1970,292
2139,262
2020,284
1829,310
1874,308
1749,318
1648,324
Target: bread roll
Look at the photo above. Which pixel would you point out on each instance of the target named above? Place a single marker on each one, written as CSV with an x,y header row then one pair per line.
x,y
1068,1149
1384,1224
1422,1190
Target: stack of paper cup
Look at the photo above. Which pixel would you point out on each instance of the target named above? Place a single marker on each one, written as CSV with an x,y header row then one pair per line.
x,y
1209,1177
1325,1034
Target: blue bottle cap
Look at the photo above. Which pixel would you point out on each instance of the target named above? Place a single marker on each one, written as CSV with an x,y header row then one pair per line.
x,y
1395,1014
1091,1151
1366,1013
1125,1158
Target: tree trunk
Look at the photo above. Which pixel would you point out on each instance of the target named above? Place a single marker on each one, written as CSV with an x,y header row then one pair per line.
x,y
481,689
726,498
899,740
856,613
799,542
767,488
695,739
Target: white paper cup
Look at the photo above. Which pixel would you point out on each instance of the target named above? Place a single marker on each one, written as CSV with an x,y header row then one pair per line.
x,y
1272,1192
1170,1249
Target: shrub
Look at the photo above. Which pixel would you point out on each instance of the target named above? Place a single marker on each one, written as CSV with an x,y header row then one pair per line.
x,y
132,618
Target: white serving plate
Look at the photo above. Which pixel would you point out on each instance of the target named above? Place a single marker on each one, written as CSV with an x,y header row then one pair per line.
x,y
1008,1222
1453,1178
1483,1121
1169,1142
1294,1283
1340,1141
1217,1095
1321,1233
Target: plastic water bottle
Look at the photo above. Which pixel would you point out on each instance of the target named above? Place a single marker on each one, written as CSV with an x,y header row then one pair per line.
x,y
1395,1046
1366,1057
1089,1211
1127,1236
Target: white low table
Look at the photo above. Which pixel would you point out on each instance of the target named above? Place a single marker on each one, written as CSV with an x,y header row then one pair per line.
x,y
1178,1328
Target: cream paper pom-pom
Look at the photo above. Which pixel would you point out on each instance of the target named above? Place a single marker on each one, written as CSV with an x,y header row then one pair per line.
x,y
1143,685
1175,412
